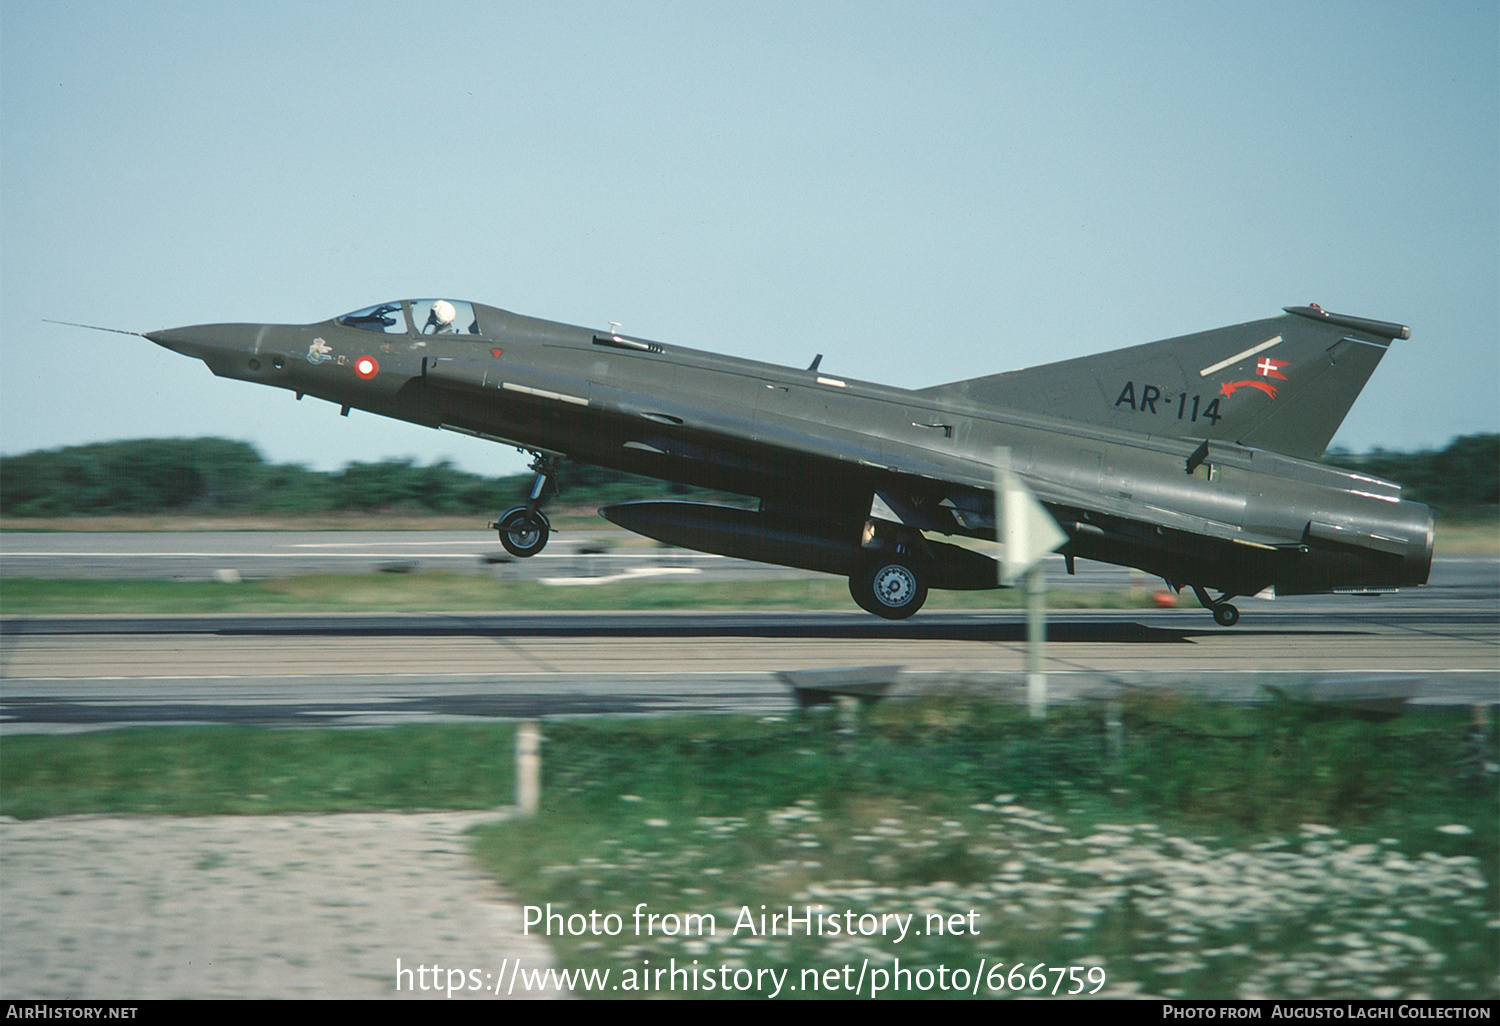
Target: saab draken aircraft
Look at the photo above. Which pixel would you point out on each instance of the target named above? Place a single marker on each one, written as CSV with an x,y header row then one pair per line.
x,y
1193,459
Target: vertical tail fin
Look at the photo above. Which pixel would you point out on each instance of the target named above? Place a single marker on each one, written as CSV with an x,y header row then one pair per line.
x,y
1284,383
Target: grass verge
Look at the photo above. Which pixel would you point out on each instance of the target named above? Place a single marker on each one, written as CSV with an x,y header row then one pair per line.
x,y
1228,852
199,771
1212,851
563,518
1467,536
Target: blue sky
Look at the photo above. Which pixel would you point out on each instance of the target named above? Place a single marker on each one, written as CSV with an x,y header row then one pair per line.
x,y
922,192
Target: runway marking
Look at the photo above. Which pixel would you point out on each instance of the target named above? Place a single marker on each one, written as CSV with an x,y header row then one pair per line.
x,y
228,555
355,545
208,554
634,573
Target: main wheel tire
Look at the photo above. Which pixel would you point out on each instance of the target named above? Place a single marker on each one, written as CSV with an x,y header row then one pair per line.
x,y
1226,615
890,588
523,531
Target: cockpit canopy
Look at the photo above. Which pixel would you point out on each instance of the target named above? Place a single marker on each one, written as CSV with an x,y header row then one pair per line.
x,y
416,317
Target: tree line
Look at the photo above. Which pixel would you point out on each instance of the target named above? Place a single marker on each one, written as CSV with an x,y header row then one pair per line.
x,y
1462,480
219,476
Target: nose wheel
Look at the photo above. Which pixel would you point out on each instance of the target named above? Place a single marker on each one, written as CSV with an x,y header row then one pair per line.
x,y
524,529
1225,615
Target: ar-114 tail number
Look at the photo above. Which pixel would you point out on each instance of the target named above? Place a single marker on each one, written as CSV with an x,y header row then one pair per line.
x,y
1151,395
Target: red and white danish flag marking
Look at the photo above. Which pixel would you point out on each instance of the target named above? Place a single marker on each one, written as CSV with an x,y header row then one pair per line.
x,y
1269,368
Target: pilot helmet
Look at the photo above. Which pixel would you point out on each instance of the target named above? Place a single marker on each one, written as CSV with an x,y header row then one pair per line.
x,y
444,312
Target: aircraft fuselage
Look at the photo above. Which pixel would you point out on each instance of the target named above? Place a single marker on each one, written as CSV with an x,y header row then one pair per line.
x,y
844,467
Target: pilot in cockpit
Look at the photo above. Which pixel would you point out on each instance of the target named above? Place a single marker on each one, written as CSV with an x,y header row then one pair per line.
x,y
440,320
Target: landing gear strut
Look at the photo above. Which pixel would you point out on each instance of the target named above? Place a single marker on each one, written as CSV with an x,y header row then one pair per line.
x,y
1225,615
524,529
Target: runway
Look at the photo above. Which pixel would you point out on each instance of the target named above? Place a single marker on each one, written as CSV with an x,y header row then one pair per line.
x,y
571,556
201,555
69,673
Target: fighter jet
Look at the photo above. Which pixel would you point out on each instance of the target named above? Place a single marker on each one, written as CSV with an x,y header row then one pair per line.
x,y
1192,458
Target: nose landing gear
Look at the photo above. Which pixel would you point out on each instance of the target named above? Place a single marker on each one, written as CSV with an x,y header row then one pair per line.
x,y
524,529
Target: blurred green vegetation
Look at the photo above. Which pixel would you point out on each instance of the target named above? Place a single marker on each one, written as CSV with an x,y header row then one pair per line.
x,y
199,771
1241,771
1459,482
219,476
1234,770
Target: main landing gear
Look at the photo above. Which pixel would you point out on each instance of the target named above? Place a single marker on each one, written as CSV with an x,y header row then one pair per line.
x,y
1225,615
891,585
524,529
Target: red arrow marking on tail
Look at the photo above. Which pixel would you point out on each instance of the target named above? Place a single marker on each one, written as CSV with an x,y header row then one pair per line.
x,y
1229,387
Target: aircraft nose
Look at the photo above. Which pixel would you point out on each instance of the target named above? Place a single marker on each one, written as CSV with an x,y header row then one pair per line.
x,y
180,340
228,349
